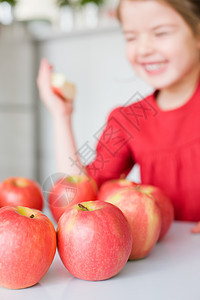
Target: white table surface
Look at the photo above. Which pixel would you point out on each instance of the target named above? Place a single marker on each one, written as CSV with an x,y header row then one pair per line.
x,y
170,272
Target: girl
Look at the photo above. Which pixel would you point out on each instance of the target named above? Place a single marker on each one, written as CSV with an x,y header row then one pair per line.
x,y
161,132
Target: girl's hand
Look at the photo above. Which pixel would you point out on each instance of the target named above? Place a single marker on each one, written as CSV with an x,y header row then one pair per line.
x,y
196,228
56,105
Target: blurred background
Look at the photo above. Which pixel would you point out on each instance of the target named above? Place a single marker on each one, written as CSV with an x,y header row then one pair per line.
x,y
81,39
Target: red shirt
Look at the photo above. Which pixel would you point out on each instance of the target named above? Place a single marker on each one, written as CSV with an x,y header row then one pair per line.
x,y
166,145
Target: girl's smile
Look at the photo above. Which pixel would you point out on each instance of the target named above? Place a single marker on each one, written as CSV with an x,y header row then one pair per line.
x,y
160,45
154,68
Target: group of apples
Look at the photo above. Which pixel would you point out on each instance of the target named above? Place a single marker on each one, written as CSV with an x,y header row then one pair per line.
x,y
98,231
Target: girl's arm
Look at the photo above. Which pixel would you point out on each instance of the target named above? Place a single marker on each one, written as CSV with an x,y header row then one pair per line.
x,y
67,160
113,155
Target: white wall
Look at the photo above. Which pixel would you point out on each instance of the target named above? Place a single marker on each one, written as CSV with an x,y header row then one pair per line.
x,y
96,62
17,116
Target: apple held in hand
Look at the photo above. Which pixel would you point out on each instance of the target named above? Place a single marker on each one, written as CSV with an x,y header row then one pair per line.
x,y
164,203
27,246
144,218
69,191
61,87
94,240
20,191
111,186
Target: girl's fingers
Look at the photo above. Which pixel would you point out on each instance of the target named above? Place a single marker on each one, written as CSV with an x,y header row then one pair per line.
x,y
196,228
44,74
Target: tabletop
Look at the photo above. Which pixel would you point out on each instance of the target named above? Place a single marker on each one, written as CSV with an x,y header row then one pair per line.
x,y
170,272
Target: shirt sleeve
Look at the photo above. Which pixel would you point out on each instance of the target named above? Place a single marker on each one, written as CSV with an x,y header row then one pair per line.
x,y
113,155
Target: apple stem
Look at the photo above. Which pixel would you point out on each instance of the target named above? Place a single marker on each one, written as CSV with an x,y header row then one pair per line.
x,y
137,188
32,216
83,207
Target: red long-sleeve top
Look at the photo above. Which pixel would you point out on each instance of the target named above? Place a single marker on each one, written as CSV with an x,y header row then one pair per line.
x,y
166,145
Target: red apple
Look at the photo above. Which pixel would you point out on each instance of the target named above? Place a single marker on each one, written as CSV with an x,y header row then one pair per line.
x,y
94,240
69,191
164,203
27,246
61,87
20,191
144,218
112,186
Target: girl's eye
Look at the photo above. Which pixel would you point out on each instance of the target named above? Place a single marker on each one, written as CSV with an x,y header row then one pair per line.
x,y
130,39
162,33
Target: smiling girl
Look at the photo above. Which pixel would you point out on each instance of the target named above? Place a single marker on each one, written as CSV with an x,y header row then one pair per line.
x,y
161,133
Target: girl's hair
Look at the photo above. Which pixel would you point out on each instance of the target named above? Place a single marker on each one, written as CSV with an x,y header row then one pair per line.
x,y
188,9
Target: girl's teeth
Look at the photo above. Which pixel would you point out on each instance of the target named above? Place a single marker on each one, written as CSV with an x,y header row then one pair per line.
x,y
154,67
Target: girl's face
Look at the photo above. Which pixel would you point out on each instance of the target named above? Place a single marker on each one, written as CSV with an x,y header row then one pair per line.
x,y
160,45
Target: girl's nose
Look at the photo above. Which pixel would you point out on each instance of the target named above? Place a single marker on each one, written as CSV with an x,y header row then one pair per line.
x,y
144,45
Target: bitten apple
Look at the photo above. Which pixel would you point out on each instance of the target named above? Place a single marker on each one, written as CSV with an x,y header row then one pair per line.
x,y
94,240
61,87
144,218
111,186
27,246
20,191
164,203
71,190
